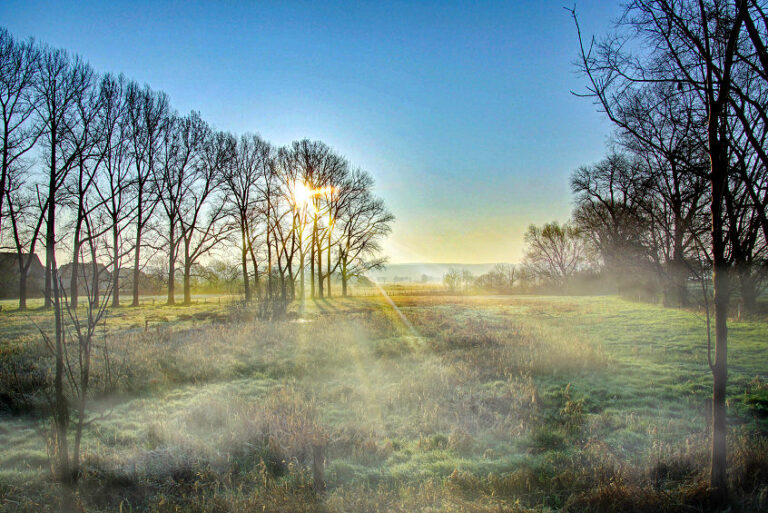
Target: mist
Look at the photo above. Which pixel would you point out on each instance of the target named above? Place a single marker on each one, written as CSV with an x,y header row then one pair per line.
x,y
374,258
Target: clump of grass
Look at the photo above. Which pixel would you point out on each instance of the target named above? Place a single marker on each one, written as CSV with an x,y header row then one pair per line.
x,y
749,465
23,383
547,439
393,347
438,441
756,397
461,441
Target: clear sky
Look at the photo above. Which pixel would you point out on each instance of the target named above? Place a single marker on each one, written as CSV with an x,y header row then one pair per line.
x,y
461,110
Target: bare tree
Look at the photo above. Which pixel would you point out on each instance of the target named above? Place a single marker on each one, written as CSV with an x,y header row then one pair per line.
x,y
114,185
19,68
297,196
452,280
554,253
202,207
609,210
180,149
284,231
73,348
83,139
148,119
693,46
500,279
26,218
241,179
268,190
363,222
745,208
662,129
62,82
321,169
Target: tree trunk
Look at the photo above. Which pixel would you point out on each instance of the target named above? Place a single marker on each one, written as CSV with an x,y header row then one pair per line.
x,y
312,259
718,476
136,275
22,289
85,374
61,407
23,275
95,274
719,184
171,270
5,168
256,282
47,291
137,250
301,276
187,281
86,355
680,270
73,283
74,274
50,241
328,263
244,262
115,268
76,448
269,264
343,258
748,286
319,252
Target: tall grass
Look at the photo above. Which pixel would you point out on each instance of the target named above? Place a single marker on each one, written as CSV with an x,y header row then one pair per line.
x,y
468,404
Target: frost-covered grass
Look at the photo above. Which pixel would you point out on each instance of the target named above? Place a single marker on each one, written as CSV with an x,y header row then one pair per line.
x,y
425,403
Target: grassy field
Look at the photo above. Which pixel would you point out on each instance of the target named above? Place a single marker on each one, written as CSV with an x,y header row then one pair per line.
x,y
421,404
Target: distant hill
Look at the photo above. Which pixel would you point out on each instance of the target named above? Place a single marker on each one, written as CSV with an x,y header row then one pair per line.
x,y
423,272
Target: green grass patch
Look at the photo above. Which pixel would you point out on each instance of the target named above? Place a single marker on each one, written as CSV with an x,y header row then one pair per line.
x,y
439,404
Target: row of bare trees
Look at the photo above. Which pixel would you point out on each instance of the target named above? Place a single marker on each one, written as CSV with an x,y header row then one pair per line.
x,y
308,210
686,85
104,171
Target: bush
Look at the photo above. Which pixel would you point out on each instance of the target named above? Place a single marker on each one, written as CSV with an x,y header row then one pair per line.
x,y
272,309
22,383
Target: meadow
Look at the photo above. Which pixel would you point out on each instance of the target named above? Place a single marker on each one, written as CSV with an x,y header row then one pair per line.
x,y
418,403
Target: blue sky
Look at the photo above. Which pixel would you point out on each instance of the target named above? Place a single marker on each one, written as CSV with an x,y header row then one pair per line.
x,y
462,111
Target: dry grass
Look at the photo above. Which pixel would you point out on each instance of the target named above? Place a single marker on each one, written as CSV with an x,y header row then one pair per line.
x,y
441,404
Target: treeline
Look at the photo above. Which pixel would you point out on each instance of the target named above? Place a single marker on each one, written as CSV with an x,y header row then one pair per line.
x,y
685,83
501,279
684,188
533,276
104,170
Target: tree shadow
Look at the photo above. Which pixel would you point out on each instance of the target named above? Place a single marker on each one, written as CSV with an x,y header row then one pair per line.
x,y
325,306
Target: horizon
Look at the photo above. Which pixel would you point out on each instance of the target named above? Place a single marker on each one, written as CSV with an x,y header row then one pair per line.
x,y
448,116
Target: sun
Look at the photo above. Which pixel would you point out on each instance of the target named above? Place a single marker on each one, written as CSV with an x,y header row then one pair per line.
x,y
301,194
